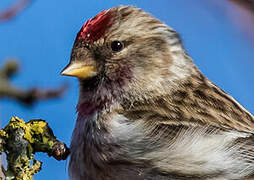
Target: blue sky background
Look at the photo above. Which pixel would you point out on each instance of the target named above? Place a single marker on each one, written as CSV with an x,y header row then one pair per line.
x,y
41,38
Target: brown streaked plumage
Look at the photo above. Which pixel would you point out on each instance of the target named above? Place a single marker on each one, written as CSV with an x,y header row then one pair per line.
x,y
196,102
145,110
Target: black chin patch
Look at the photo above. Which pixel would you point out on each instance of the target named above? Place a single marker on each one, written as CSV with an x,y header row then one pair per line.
x,y
91,83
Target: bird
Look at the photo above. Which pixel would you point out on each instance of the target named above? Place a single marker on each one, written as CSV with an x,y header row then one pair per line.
x,y
146,112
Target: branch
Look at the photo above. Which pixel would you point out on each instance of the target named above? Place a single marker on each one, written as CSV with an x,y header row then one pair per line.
x,y
14,10
27,97
20,141
246,4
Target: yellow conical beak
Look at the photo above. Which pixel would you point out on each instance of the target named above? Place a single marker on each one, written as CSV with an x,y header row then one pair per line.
x,y
79,70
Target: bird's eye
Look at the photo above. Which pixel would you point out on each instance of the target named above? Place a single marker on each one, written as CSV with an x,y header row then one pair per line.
x,y
117,46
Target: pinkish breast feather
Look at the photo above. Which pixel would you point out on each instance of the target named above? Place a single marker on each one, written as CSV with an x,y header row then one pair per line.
x,y
93,29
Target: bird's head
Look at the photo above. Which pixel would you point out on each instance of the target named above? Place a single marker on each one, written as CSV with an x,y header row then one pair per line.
x,y
126,49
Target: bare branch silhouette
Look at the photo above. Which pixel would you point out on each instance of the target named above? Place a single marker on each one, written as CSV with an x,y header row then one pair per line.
x,y
14,10
27,97
246,4
239,13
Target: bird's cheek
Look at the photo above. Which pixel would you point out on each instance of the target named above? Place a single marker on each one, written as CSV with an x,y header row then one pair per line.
x,y
111,71
118,73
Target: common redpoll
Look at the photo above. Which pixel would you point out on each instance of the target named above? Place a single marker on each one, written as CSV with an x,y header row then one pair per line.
x,y
145,111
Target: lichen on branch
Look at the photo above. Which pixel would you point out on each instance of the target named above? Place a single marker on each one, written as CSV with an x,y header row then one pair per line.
x,y
21,140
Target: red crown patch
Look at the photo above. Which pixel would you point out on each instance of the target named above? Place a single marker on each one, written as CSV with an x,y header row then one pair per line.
x,y
95,28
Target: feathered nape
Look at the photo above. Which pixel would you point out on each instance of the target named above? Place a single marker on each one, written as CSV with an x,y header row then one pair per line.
x,y
93,29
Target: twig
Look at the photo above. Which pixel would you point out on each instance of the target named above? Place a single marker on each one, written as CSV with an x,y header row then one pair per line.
x,y
246,4
14,10
27,97
20,141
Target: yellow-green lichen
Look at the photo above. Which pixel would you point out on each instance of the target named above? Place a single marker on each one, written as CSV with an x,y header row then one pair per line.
x,y
30,128
37,127
46,140
19,123
3,133
33,136
30,148
16,123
